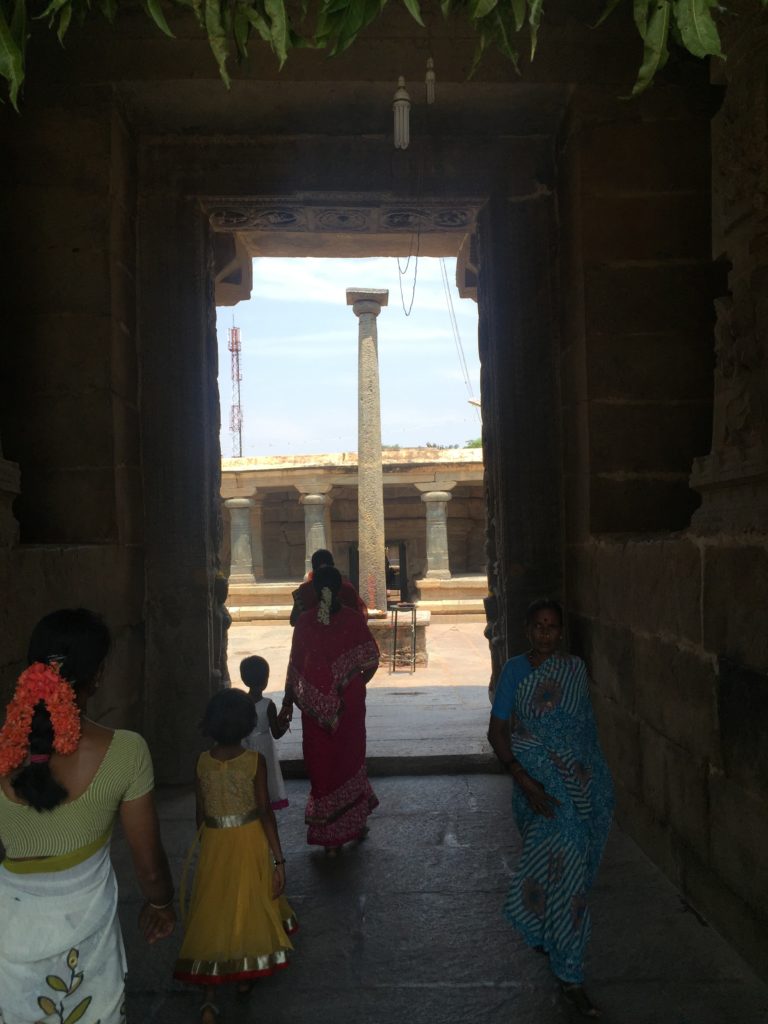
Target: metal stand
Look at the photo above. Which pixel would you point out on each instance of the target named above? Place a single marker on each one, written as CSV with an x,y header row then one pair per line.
x,y
404,608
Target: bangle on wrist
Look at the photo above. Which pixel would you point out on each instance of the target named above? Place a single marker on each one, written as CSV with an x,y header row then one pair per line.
x,y
161,906
279,863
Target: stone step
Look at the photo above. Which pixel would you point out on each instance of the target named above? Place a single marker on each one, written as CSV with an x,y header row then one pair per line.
x,y
426,764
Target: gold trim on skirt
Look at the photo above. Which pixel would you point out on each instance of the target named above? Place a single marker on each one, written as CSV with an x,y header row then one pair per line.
x,y
233,820
227,968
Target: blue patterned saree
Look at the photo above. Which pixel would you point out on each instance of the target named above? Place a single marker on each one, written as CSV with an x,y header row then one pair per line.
x,y
555,739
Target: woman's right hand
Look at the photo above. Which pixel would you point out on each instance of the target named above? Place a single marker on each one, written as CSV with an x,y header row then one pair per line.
x,y
538,799
156,924
278,881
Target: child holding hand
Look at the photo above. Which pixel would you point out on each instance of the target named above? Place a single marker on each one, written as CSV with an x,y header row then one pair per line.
x,y
254,672
237,925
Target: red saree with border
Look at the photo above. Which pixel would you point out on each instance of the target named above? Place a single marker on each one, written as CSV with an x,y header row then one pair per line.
x,y
326,674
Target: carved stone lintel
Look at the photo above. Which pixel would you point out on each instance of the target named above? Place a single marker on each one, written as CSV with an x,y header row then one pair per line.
x,y
315,215
10,487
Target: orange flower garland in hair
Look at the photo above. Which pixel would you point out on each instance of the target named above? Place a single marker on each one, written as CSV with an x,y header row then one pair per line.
x,y
40,682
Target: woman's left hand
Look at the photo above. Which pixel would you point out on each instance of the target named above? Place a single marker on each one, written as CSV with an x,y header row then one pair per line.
x,y
538,799
278,881
156,924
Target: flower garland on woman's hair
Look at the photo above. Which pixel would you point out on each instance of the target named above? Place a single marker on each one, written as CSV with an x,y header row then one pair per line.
x,y
40,682
324,608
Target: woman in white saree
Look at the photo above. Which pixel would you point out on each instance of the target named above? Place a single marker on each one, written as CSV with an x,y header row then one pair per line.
x,y
63,782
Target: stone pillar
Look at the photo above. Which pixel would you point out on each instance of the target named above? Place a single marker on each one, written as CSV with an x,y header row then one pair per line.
x,y
9,488
314,525
438,567
240,533
257,543
366,305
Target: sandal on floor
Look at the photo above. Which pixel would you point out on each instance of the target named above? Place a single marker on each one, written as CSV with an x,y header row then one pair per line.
x,y
578,999
213,1009
243,993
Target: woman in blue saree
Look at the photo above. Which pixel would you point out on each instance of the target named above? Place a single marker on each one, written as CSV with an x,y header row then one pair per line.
x,y
563,800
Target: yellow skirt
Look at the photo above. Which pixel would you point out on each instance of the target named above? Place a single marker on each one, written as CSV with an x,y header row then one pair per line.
x,y
234,930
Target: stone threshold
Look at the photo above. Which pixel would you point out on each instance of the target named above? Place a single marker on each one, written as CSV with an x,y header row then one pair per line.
x,y
417,764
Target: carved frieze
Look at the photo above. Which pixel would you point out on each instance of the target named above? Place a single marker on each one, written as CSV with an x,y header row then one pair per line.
x,y
313,215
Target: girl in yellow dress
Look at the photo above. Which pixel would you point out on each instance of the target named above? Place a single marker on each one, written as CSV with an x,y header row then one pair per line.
x,y
238,922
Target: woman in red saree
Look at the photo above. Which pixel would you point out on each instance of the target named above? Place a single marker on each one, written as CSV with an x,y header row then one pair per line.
x,y
333,655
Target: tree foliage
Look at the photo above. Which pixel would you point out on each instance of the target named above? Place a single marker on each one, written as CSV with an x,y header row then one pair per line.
x,y
507,25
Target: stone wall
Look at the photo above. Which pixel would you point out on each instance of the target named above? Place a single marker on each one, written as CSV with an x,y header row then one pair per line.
x,y
68,384
667,598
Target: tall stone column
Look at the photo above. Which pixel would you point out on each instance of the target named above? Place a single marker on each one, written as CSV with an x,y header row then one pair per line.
x,y
257,540
314,525
9,489
240,534
438,565
366,305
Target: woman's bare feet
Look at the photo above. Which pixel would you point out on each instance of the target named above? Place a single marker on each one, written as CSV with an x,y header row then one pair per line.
x,y
578,999
209,1013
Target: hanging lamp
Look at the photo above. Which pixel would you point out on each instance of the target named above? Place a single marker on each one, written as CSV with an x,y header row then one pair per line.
x,y
401,105
429,81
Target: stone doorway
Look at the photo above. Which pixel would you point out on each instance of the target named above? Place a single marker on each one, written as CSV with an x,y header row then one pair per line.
x,y
436,715
191,191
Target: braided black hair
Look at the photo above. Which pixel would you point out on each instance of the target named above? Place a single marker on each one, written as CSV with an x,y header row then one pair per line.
x,y
78,640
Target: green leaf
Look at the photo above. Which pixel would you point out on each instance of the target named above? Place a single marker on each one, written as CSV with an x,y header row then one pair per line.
x,y
446,6
534,19
78,1011
414,10
241,28
108,9
503,41
480,48
640,12
52,981
259,23
655,51
155,12
11,60
518,10
46,1005
479,8
195,5
698,30
64,19
279,28
52,8
217,38
19,25
610,7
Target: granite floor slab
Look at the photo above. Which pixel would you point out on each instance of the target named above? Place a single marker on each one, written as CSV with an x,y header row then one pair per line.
x,y
407,928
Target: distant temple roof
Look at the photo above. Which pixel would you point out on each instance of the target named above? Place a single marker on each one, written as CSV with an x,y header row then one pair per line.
x,y
401,465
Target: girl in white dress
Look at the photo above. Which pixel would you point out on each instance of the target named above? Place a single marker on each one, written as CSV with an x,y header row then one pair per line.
x,y
270,726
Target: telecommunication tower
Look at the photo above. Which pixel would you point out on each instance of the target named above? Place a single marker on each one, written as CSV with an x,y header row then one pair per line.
x,y
236,413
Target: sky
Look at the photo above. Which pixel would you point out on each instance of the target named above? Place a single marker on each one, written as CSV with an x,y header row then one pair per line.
x,y
299,357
